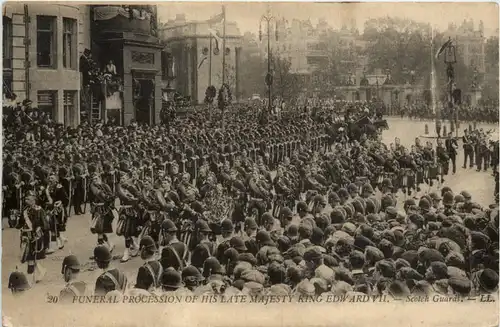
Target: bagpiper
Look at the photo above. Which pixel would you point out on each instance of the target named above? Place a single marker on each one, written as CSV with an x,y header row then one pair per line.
x,y
56,198
128,216
33,224
102,209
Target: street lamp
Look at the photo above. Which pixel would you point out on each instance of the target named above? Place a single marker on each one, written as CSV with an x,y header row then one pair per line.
x,y
450,59
268,18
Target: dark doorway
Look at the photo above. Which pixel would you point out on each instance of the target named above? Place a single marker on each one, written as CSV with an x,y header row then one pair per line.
x,y
144,88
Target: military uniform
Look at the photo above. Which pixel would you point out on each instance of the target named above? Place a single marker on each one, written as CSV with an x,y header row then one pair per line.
x,y
111,279
175,253
150,272
204,249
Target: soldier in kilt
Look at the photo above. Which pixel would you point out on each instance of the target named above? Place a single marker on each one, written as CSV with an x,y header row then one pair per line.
x,y
11,198
80,188
56,197
33,224
102,209
155,211
128,216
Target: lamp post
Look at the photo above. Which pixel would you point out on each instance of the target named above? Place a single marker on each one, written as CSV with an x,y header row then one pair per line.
x,y
450,59
268,18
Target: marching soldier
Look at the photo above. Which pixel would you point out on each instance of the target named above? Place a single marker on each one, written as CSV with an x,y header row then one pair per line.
x,y
108,176
11,192
103,211
442,158
33,223
67,183
56,197
128,216
468,149
451,148
80,188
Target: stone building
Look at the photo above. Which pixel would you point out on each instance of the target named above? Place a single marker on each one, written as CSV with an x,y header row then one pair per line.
x,y
41,46
126,37
193,57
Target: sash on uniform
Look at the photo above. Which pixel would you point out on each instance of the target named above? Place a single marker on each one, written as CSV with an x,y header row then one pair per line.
x,y
156,277
115,282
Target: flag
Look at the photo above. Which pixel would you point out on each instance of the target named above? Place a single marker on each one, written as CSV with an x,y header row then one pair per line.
x,y
441,49
216,19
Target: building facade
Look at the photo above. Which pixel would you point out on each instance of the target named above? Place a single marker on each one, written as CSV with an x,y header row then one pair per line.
x,y
126,47
194,50
41,46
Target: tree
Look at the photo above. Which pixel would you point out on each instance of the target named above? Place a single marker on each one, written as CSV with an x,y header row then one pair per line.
x,y
400,45
252,74
253,67
286,85
330,71
229,77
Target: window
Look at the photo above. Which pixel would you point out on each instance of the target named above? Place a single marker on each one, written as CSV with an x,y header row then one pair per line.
x,y
7,57
69,107
7,42
47,102
46,41
69,43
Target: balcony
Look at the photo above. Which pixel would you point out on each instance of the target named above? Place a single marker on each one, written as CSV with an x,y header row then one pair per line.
x,y
123,19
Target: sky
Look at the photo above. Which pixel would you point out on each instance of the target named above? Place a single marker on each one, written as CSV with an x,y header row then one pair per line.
x,y
247,14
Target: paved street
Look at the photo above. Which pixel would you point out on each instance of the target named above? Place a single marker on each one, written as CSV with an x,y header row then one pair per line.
x,y
81,241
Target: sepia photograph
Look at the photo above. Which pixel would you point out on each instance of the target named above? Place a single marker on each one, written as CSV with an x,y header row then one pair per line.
x,y
250,164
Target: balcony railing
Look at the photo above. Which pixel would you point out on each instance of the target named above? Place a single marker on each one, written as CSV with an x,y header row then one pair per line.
x,y
122,19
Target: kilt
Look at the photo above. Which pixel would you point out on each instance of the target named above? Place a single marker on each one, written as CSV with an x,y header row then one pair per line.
x,y
128,222
57,220
32,246
434,171
102,220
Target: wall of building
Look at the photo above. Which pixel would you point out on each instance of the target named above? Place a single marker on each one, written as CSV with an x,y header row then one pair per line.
x,y
57,79
132,67
203,75
186,42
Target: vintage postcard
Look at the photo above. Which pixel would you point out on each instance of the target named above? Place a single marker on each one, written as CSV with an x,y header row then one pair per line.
x,y
250,164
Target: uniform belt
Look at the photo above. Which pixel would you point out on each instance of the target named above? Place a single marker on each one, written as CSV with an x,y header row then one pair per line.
x,y
126,206
98,204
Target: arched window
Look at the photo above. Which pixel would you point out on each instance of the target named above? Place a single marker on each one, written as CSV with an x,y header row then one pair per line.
x,y
7,55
